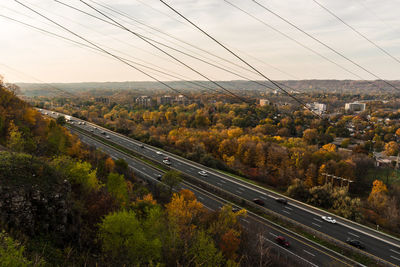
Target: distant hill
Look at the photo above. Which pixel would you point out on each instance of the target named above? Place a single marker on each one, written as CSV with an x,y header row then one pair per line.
x,y
332,86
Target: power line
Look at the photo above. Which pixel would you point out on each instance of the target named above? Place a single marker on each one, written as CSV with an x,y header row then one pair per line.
x,y
121,13
356,31
98,50
294,40
172,48
322,43
241,59
103,50
175,58
183,41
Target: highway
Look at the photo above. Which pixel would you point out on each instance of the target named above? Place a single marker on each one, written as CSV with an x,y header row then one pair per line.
x,y
301,250
385,248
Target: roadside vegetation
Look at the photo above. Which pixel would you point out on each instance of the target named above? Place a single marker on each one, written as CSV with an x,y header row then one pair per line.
x,y
284,147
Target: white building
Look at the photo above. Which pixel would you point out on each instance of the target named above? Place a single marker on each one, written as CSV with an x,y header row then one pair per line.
x,y
318,108
144,101
355,106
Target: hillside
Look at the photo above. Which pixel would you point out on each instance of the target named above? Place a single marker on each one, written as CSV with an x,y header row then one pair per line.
x,y
333,86
65,204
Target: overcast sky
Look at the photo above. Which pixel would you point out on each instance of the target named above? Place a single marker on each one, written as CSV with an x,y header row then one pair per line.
x,y
27,55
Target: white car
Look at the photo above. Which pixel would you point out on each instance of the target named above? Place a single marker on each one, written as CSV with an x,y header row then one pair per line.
x,y
166,162
158,152
107,136
203,173
328,219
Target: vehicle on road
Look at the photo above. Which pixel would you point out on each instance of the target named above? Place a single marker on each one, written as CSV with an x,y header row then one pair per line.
x,y
203,173
166,162
328,219
235,209
91,130
107,136
258,201
281,200
103,132
159,176
141,146
282,241
158,152
355,243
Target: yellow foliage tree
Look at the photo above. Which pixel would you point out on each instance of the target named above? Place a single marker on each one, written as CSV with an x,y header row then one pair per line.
x,y
329,147
378,197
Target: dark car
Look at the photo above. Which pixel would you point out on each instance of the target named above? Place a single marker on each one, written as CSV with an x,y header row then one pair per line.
x,y
235,209
355,243
281,200
258,201
282,241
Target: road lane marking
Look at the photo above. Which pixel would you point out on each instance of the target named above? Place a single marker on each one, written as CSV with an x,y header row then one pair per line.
x,y
245,220
318,220
316,224
201,198
241,188
272,234
219,184
392,250
395,258
222,181
264,198
240,192
286,212
350,233
308,252
286,207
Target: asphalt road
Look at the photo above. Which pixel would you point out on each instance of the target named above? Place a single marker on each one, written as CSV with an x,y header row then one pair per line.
x,y
386,248
300,249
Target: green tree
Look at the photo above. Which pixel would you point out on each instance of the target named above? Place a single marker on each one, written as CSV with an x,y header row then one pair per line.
x,y
125,242
203,251
77,172
11,252
118,188
172,179
15,138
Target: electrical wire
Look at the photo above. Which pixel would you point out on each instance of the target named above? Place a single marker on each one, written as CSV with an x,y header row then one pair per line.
x,y
322,43
165,52
100,48
172,48
94,48
241,59
356,31
294,40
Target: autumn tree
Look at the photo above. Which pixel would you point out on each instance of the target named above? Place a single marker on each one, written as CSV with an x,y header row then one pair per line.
x,y
392,148
378,197
310,136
